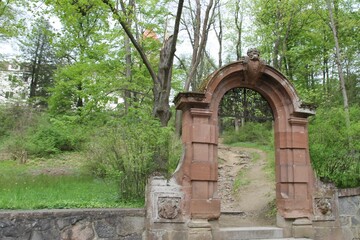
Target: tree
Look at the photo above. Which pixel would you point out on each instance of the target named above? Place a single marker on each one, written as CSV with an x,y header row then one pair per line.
x,y
339,65
161,79
10,21
128,57
244,105
38,50
88,73
197,28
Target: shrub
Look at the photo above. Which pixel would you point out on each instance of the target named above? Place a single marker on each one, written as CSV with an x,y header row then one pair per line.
x,y
15,122
260,133
15,118
31,132
127,151
334,149
54,135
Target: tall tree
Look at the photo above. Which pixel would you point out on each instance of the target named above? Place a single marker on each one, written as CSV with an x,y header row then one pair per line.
x,y
162,78
127,11
39,53
86,79
338,63
239,18
198,31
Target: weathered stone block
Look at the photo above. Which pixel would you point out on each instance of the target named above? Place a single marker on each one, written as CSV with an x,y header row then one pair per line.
x,y
204,171
67,221
328,233
303,231
344,220
81,230
348,205
104,229
200,234
205,208
130,226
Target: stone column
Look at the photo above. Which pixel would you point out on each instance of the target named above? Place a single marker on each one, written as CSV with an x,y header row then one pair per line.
x,y
295,181
203,137
198,172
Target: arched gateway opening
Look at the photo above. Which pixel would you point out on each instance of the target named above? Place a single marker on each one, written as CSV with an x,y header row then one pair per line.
x,y
246,161
192,193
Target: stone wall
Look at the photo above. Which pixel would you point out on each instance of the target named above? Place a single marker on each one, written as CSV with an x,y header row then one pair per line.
x,y
87,224
349,212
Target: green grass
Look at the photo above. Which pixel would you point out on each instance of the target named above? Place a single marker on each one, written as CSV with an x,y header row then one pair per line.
x,y
240,181
255,156
21,188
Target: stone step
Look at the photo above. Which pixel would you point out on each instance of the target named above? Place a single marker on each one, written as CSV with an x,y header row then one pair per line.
x,y
283,239
247,233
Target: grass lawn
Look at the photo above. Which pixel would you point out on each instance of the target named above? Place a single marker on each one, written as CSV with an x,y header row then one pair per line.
x,y
52,184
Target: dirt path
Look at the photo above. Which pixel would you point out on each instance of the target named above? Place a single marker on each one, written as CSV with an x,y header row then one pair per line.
x,y
249,203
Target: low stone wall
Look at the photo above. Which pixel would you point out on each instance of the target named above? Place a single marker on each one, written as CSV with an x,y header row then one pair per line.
x,y
86,224
349,212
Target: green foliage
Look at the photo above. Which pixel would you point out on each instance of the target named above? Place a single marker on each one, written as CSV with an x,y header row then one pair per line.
x,y
127,150
11,21
53,135
260,133
334,150
34,133
9,118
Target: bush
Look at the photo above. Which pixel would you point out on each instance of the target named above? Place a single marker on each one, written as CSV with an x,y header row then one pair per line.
x,y
260,133
15,118
334,149
15,122
127,151
54,135
30,132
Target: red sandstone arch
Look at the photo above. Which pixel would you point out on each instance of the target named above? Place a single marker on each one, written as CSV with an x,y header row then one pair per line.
x,y
197,173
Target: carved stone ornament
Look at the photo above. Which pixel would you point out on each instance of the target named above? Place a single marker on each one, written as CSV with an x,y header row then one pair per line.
x,y
324,206
253,54
254,66
169,207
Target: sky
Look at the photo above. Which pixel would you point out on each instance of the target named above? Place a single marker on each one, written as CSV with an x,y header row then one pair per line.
x,y
10,48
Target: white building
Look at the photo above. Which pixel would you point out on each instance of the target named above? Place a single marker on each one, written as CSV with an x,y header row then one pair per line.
x,y
14,82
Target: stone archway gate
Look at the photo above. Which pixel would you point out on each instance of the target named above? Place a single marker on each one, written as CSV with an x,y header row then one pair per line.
x,y
189,199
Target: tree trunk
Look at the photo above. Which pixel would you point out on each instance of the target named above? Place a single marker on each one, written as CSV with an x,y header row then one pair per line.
x,y
162,80
128,56
339,66
219,34
161,89
199,43
238,24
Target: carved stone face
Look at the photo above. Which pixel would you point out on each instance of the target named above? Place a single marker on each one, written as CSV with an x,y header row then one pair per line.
x,y
253,54
324,205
